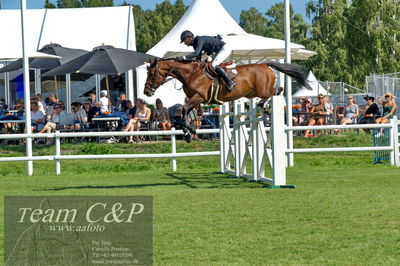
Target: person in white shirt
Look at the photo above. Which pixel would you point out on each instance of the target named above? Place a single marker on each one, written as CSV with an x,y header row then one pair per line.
x,y
37,117
103,102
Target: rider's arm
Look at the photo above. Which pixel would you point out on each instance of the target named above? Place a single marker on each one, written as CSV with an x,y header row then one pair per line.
x,y
197,51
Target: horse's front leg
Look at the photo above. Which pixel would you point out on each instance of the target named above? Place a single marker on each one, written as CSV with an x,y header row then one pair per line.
x,y
190,104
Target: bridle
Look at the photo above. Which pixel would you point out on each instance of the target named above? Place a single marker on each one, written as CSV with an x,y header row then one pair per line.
x,y
152,83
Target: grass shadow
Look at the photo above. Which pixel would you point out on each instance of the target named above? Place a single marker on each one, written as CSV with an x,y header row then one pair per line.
x,y
190,180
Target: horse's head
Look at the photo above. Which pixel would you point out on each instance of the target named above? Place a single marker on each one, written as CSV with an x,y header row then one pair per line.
x,y
156,76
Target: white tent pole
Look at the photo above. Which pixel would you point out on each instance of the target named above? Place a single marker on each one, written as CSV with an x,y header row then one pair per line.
x,y
288,83
98,87
129,85
38,88
68,93
27,93
7,88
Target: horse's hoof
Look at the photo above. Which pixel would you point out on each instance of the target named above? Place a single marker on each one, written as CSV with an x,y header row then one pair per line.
x,y
188,137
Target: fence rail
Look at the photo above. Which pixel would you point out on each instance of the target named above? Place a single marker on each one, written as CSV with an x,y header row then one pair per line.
x,y
58,136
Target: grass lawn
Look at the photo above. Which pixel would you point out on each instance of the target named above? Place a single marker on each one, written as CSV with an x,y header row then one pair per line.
x,y
344,210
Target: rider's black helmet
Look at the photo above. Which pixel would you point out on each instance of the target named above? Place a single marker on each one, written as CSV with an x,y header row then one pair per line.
x,y
185,34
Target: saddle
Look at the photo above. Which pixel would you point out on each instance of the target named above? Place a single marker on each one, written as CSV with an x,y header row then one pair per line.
x,y
229,67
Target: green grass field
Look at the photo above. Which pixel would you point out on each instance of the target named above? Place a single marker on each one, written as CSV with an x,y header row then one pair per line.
x,y
344,211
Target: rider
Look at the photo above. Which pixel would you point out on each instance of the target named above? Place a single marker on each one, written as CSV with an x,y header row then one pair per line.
x,y
212,46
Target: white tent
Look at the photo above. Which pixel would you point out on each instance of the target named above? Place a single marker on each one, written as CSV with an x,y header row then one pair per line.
x,y
83,28
209,17
317,88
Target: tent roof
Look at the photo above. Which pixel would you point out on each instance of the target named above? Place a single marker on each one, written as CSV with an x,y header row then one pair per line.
x,y
209,17
317,88
82,28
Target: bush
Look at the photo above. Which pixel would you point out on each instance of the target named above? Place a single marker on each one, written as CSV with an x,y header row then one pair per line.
x,y
95,148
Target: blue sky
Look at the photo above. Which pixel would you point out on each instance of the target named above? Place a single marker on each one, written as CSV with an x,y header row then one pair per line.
x,y
232,6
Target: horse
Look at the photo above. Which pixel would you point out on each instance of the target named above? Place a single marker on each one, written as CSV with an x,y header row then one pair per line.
x,y
252,80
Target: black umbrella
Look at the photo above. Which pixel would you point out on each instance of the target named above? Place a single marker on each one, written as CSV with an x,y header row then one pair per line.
x,y
105,60
66,54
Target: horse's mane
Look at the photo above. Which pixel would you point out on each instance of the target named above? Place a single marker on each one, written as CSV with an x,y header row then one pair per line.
x,y
185,61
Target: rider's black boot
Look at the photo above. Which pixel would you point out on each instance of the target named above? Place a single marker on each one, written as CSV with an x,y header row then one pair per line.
x,y
229,82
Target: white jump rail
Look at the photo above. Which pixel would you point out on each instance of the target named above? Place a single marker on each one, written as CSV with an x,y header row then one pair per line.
x,y
58,136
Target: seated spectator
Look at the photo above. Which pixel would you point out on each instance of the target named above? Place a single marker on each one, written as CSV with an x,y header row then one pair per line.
x,y
53,120
389,108
143,114
61,103
121,103
37,117
92,98
80,116
306,105
91,111
175,114
104,103
370,113
38,100
20,110
161,116
318,114
350,113
126,108
52,100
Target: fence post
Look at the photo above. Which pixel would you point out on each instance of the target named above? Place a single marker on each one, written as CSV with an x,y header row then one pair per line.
x,y
58,152
173,149
395,142
278,142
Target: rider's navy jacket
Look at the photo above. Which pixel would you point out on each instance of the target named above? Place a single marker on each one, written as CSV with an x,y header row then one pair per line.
x,y
207,44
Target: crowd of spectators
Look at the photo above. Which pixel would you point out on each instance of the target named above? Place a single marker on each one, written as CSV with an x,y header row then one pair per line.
x,y
46,115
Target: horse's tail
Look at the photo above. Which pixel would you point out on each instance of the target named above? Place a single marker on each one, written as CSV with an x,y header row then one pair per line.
x,y
293,70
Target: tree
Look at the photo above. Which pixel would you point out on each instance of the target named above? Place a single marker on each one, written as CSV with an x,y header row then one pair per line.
x,y
253,21
273,24
153,25
49,5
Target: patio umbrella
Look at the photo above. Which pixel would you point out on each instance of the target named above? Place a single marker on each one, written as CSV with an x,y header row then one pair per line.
x,y
62,54
106,60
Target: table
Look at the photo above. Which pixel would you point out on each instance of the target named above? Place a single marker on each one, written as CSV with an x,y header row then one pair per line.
x,y
16,125
108,123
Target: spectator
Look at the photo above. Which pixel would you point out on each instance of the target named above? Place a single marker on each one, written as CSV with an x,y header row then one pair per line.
x,y
54,119
121,103
132,111
142,114
20,110
91,111
104,103
175,114
350,113
389,108
369,113
52,100
127,107
61,103
319,113
37,99
161,116
80,117
306,105
92,98
37,117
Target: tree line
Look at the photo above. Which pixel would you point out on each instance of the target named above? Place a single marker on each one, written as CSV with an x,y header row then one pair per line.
x,y
353,39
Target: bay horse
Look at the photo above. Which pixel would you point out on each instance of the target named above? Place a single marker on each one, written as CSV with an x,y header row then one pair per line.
x,y
253,80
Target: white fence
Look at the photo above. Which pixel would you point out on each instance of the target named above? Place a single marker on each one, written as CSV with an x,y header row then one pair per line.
x,y
57,157
235,143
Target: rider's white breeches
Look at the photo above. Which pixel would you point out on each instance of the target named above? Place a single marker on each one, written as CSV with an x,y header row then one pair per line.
x,y
223,54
